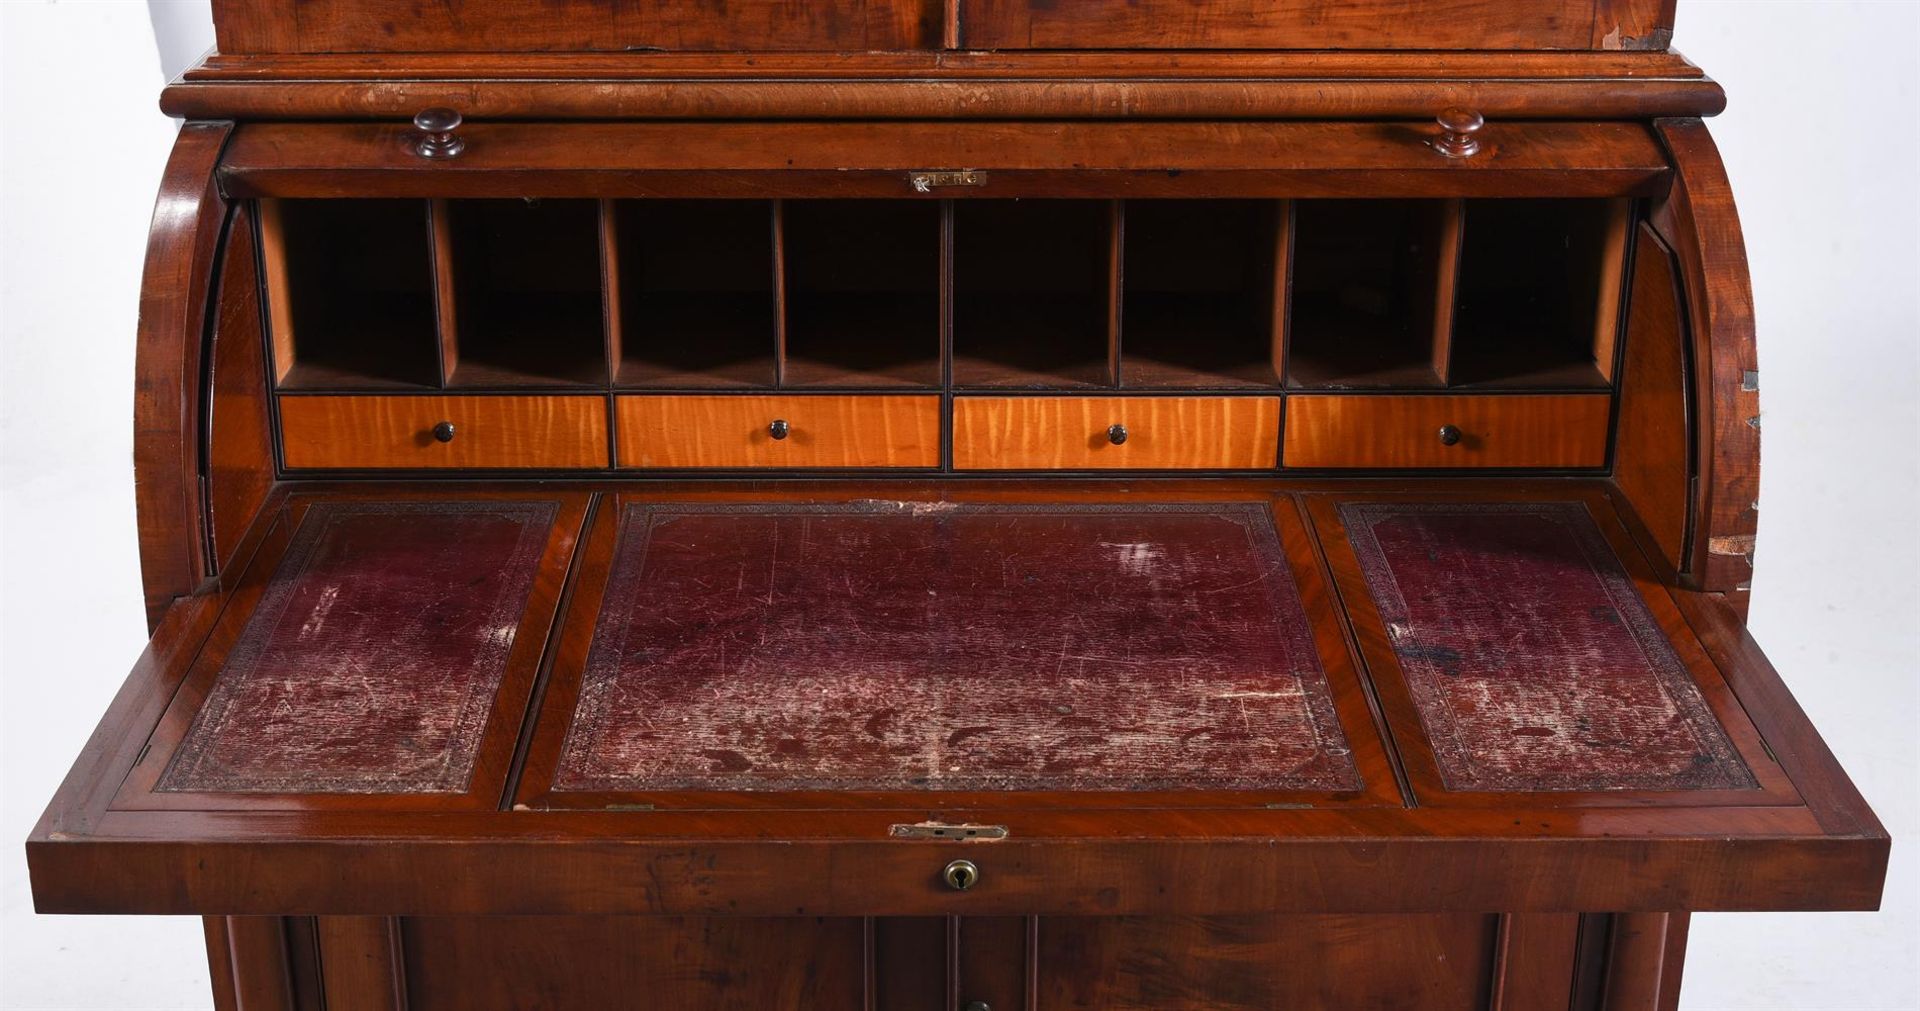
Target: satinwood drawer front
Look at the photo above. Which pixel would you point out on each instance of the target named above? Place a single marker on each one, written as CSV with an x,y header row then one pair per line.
x,y
383,432
1115,433
779,431
1447,430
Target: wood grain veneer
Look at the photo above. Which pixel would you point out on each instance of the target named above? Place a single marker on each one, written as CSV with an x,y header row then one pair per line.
x,y
399,26
1316,24
381,432
1018,159
239,447
189,219
1652,465
1354,430
957,85
1699,223
735,431
1071,433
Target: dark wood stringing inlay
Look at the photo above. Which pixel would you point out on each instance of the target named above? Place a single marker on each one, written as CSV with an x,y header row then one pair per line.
x,y
371,664
942,646
1533,661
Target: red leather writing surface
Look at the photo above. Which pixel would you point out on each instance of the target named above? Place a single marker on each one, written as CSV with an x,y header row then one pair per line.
x,y
1533,661
887,646
372,661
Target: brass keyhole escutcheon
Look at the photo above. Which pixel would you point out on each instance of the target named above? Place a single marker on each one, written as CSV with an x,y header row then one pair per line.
x,y
961,875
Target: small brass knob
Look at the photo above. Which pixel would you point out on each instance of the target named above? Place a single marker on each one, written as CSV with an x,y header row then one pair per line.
x,y
1117,434
438,139
1449,435
443,432
1458,128
961,875
779,429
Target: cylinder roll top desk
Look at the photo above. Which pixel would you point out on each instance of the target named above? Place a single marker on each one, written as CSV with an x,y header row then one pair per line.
x,y
948,504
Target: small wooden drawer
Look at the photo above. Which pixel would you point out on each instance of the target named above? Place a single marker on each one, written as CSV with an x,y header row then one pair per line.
x,y
383,432
1115,433
1447,430
813,431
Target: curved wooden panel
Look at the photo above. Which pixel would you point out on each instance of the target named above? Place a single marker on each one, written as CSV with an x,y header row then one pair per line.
x,y
181,247
1651,463
239,425
1699,222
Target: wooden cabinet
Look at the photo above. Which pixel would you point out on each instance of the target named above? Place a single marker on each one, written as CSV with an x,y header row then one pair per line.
x,y
900,505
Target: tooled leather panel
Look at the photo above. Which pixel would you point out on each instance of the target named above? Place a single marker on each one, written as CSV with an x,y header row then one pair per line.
x,y
372,661
888,646
1533,661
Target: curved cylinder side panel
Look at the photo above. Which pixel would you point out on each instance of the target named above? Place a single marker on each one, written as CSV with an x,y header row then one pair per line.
x,y
175,288
1699,222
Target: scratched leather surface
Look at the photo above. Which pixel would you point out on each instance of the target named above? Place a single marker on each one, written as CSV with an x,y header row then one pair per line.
x,y
942,647
1534,663
372,661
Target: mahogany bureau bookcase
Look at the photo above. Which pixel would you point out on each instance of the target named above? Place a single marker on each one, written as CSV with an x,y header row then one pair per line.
x,y
948,504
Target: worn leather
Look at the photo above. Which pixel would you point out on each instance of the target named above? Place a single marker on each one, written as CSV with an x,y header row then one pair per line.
x,y
371,663
1533,661
940,646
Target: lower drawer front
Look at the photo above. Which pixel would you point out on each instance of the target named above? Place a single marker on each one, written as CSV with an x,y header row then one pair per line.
x,y
1115,433
779,431
387,432
1447,430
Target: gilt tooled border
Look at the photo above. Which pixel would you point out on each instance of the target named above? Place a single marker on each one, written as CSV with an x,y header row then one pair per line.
x,y
1332,768
189,771
1452,753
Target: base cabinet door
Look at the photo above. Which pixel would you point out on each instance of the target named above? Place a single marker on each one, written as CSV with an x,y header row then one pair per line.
x,y
949,963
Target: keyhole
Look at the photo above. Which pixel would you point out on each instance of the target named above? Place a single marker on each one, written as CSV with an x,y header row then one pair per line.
x,y
962,875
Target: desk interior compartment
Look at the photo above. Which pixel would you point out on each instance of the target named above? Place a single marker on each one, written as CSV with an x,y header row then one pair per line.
x,y
861,283
350,291
1200,293
1537,300
695,293
1032,293
526,283
1366,293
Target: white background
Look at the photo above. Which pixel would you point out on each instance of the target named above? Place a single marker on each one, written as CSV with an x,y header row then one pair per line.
x,y
1819,139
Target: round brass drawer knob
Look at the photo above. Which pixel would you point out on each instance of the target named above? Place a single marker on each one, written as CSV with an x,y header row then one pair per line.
x,y
779,429
1117,434
961,875
443,432
1449,435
